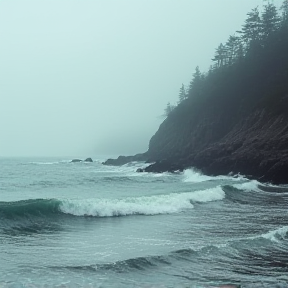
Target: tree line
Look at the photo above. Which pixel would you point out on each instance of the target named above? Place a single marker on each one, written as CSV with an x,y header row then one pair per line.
x,y
256,34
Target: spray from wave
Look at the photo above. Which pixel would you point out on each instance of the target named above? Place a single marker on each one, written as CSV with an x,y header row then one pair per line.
x,y
195,176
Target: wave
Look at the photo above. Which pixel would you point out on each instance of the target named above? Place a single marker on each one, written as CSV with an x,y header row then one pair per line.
x,y
150,205
146,262
36,207
276,235
255,192
195,176
174,263
252,185
50,163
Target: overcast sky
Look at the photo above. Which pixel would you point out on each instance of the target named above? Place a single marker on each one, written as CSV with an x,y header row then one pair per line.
x,y
91,77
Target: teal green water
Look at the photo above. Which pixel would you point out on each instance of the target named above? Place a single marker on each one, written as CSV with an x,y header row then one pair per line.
x,y
87,225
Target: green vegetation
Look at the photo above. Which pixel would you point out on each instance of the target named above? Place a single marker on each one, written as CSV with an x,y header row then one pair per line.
x,y
249,70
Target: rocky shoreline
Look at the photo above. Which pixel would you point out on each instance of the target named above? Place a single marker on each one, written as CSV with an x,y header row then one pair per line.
x,y
257,147
234,118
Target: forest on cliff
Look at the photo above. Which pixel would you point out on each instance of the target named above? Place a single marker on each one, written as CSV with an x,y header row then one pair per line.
x,y
234,118
255,53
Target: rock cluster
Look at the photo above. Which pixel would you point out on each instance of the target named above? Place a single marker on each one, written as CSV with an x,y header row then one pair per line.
x,y
79,160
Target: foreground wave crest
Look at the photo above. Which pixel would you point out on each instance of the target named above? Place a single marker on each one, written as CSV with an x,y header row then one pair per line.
x,y
152,205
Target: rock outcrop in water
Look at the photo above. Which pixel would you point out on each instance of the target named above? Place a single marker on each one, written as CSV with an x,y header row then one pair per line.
x,y
121,160
76,160
235,121
79,160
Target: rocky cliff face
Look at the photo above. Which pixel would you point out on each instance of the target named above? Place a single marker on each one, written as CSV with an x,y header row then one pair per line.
x,y
220,140
237,122
256,145
185,133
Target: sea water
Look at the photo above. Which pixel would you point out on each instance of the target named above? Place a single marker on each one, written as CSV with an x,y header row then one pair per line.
x,y
83,224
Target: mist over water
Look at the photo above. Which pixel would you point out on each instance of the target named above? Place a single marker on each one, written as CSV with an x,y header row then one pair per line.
x,y
93,77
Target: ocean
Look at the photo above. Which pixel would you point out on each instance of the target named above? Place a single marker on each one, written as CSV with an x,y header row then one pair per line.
x,y
82,224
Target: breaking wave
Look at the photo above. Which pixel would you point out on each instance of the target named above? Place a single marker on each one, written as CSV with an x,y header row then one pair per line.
x,y
152,205
274,235
195,176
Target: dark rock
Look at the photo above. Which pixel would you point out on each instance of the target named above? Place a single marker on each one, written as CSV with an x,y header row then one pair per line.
x,y
88,160
163,166
238,122
76,160
140,170
121,160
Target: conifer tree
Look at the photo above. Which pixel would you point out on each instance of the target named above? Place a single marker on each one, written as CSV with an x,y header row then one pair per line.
x,y
240,52
182,94
169,108
196,82
251,30
231,49
270,20
220,55
284,8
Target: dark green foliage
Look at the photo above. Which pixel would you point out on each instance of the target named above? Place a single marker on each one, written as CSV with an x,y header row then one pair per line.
x,y
196,83
220,56
251,29
169,108
233,47
270,20
284,8
249,70
182,94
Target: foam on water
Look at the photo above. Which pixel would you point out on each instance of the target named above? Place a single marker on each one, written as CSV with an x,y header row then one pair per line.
x,y
272,235
51,163
44,163
152,205
252,185
195,176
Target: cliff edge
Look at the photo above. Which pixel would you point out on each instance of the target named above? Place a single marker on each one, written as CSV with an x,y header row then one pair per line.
x,y
234,118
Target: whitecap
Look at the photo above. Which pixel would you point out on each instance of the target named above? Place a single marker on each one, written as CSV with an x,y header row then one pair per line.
x,y
148,205
195,176
273,234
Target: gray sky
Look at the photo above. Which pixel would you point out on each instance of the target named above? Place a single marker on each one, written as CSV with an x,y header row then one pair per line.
x,y
90,77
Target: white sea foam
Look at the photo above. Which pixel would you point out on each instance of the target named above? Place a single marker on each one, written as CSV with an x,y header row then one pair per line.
x,y
272,235
195,176
248,186
254,185
128,168
152,205
50,163
44,163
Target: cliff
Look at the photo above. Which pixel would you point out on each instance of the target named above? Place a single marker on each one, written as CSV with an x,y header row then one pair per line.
x,y
256,145
237,121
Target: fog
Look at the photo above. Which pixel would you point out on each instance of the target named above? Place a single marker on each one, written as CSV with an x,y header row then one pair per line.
x,y
93,77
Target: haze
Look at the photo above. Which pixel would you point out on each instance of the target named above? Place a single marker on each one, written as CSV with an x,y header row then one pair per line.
x,y
93,77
